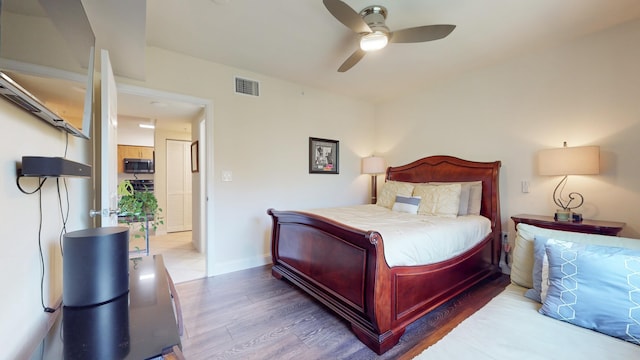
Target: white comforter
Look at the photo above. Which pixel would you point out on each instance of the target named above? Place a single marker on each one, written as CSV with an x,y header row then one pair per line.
x,y
510,327
413,239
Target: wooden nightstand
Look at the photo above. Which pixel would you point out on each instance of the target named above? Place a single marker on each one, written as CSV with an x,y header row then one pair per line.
x,y
585,226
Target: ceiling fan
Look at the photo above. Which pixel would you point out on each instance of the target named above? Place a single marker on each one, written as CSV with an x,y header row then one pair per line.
x,y
374,34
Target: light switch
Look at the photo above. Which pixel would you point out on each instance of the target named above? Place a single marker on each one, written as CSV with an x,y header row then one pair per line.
x,y
525,186
227,175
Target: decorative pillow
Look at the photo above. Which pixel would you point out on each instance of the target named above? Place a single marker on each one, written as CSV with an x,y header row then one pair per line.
x,y
470,196
522,254
544,286
390,190
595,287
406,204
539,258
438,200
522,258
475,198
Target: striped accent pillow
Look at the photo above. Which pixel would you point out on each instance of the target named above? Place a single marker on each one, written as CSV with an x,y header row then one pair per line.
x,y
406,204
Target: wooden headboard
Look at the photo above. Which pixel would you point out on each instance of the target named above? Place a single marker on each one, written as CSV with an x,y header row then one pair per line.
x,y
443,168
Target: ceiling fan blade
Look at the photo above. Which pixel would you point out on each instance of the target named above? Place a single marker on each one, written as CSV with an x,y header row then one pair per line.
x,y
421,33
352,60
346,15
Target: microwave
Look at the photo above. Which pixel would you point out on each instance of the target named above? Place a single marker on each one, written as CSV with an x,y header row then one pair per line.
x,y
139,166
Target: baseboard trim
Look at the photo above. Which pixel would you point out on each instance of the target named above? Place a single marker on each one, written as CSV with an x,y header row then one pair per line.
x,y
237,265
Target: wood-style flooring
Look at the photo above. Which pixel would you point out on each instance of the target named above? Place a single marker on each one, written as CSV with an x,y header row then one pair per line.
x,y
251,315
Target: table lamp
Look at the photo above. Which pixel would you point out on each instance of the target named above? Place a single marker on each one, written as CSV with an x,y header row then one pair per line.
x,y
565,161
373,166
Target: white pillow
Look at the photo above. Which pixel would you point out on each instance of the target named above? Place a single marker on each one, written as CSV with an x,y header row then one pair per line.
x,y
438,200
390,190
406,204
470,196
475,198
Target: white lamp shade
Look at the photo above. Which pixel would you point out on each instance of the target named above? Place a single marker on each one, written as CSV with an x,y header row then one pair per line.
x,y
582,160
373,165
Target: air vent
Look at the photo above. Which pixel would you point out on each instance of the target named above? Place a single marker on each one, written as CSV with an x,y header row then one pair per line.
x,y
247,87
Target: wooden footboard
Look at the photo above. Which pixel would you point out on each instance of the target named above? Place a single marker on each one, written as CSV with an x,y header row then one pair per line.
x,y
344,268
337,265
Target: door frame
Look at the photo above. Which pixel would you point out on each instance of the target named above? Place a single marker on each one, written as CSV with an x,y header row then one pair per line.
x,y
107,140
205,198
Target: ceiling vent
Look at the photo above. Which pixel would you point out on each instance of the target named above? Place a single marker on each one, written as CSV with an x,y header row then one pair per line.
x,y
247,87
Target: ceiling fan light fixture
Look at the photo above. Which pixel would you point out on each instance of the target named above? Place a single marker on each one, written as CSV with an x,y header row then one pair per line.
x,y
374,41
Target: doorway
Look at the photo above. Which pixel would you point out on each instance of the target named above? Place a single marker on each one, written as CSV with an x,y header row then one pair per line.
x,y
167,111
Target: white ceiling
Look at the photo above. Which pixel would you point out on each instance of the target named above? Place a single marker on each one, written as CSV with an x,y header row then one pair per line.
x,y
301,42
171,115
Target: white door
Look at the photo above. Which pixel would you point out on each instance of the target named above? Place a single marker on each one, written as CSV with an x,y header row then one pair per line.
x,y
108,144
178,186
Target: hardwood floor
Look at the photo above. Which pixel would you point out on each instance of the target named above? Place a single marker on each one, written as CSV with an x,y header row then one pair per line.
x,y
251,315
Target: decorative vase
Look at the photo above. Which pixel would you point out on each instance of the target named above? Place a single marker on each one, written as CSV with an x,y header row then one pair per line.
x,y
563,215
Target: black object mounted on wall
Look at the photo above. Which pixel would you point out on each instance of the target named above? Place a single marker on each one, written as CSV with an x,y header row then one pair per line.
x,y
42,166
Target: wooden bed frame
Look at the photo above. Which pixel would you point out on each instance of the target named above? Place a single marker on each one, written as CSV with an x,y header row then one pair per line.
x,y
344,268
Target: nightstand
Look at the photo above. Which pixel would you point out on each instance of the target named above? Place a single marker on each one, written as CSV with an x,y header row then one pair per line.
x,y
585,226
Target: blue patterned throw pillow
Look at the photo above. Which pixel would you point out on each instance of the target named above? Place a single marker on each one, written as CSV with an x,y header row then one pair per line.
x,y
539,258
595,287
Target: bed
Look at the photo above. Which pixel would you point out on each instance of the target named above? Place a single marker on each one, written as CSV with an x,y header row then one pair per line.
x,y
345,268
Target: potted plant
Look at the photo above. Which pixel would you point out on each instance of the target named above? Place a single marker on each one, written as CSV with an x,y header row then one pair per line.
x,y
139,206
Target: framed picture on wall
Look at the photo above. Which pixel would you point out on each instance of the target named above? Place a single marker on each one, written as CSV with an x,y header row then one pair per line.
x,y
194,157
323,156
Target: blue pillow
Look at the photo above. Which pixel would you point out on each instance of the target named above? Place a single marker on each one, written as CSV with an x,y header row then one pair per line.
x,y
539,256
595,287
406,204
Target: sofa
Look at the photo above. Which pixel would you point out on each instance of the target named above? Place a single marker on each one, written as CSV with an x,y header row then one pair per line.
x,y
571,296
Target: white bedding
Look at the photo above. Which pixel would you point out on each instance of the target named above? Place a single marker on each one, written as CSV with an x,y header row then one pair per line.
x,y
510,327
413,239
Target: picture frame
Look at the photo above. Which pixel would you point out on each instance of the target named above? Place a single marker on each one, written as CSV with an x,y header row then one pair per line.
x,y
324,156
194,157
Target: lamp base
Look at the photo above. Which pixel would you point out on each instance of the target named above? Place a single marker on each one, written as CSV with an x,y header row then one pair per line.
x,y
374,189
562,215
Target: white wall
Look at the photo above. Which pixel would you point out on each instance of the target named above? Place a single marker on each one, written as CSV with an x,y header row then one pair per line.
x,y
20,306
585,92
264,142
